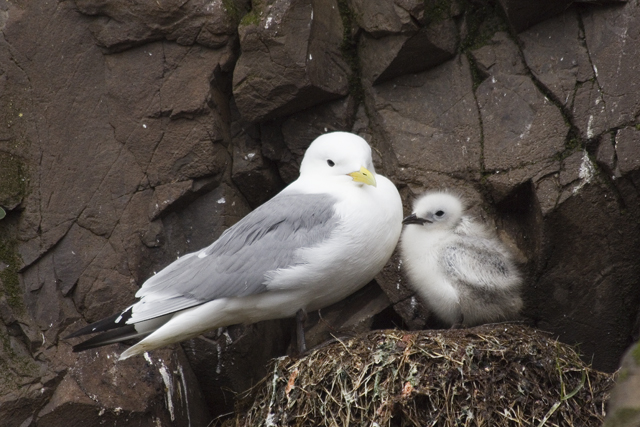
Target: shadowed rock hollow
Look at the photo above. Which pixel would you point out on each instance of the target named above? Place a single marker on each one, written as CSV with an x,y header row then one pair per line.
x,y
135,132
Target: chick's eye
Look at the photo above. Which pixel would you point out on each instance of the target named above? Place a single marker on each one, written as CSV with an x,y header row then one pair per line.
x,y
331,163
439,214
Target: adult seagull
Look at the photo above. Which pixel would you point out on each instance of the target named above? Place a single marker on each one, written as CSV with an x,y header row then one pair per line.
x,y
320,239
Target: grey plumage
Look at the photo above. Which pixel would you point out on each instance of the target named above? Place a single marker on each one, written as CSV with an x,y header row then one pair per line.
x,y
463,273
237,264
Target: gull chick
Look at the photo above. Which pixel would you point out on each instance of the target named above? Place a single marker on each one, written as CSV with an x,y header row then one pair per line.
x,y
464,274
319,240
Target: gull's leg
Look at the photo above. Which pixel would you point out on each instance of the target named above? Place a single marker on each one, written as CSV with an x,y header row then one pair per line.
x,y
301,317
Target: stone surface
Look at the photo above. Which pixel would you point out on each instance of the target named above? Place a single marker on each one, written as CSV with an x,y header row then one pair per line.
x,y
384,17
290,59
398,54
157,389
605,33
135,132
577,292
430,127
12,175
231,360
522,14
519,114
124,24
554,54
255,175
627,146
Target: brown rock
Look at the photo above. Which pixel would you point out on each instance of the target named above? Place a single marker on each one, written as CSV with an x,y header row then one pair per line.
x,y
398,54
112,196
285,141
165,196
98,389
628,149
167,82
231,360
502,183
499,56
616,90
255,175
385,17
554,54
606,155
580,296
515,116
290,58
194,156
523,14
590,110
299,130
12,180
432,127
124,24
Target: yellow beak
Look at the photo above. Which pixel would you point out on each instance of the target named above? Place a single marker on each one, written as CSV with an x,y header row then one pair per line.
x,y
364,176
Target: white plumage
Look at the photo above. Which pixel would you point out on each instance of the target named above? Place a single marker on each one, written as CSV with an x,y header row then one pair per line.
x,y
465,275
320,239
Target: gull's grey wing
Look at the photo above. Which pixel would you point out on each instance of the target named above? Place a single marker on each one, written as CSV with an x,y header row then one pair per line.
x,y
479,263
235,265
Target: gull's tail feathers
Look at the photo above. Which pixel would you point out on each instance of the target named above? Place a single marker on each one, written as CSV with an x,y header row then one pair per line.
x,y
115,329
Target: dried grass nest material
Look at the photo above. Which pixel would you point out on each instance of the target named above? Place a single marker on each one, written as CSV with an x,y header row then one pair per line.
x,y
492,375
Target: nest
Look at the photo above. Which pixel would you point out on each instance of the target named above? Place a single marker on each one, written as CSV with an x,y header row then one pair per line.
x,y
492,375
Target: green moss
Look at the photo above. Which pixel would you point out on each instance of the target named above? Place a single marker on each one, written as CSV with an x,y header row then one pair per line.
x,y
477,76
9,265
232,9
572,144
561,155
253,16
349,49
15,366
15,362
437,10
483,21
13,179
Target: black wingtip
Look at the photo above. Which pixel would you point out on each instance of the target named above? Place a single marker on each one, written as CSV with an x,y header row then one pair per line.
x,y
110,337
118,320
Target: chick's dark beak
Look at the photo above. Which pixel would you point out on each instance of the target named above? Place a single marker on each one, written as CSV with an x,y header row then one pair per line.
x,y
413,219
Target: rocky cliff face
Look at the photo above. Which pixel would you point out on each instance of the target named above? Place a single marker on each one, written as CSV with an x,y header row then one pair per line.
x,y
134,132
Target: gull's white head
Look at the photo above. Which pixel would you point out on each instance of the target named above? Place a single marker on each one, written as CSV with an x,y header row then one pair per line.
x,y
339,154
436,211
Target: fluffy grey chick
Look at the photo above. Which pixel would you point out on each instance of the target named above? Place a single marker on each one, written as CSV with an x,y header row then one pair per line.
x,y
464,274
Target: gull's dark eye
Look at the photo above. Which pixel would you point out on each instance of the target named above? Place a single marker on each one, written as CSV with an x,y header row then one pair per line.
x,y
331,163
439,214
